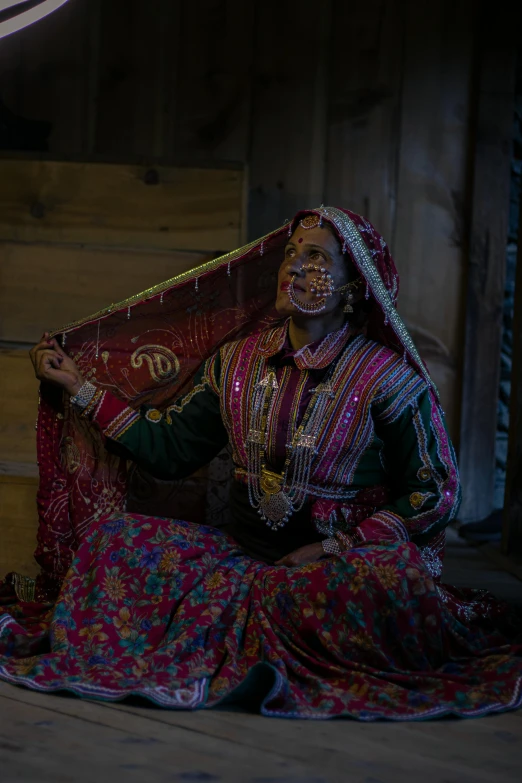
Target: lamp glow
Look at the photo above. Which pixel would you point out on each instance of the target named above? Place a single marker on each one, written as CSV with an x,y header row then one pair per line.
x,y
25,18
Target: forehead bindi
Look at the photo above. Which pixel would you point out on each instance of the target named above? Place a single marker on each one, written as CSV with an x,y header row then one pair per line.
x,y
322,237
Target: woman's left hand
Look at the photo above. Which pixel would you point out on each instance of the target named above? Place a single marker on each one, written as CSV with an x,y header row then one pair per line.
x,y
305,554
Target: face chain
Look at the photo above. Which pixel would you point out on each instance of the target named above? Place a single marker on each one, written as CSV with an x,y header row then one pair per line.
x,y
322,286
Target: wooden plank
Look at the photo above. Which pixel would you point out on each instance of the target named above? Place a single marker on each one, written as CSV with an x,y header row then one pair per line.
x,y
288,146
43,737
384,751
44,286
156,207
483,568
430,232
136,97
321,751
18,524
18,408
512,527
18,469
213,90
364,112
11,468
497,46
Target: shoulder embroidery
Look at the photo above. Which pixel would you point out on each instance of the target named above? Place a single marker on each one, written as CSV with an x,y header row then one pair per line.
x,y
325,352
269,341
402,388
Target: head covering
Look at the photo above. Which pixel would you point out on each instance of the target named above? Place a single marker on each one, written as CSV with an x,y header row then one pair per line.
x,y
147,349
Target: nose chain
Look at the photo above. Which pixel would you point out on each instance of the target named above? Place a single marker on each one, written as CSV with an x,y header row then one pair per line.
x,y
323,287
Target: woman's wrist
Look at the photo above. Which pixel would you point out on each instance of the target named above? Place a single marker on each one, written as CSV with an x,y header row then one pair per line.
x,y
84,395
75,387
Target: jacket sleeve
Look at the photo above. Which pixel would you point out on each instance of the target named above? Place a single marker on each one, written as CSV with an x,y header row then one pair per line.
x,y
169,444
420,462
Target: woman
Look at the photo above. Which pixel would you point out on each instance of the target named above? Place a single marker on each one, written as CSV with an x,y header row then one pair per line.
x,y
321,596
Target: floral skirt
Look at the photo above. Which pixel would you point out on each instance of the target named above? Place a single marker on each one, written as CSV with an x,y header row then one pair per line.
x,y
178,614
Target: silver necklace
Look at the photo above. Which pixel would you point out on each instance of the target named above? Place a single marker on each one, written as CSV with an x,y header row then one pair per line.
x,y
277,496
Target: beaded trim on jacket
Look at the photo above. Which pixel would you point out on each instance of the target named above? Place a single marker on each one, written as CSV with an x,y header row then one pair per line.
x,y
367,372
306,358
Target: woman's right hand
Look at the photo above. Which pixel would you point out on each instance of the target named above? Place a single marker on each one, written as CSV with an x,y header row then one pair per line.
x,y
51,364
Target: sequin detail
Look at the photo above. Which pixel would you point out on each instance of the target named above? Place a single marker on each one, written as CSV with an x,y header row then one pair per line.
x,y
154,416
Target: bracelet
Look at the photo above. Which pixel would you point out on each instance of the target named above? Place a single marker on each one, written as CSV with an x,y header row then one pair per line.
x,y
347,541
83,397
331,546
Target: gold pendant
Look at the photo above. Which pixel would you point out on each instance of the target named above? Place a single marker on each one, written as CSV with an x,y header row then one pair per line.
x,y
271,482
275,504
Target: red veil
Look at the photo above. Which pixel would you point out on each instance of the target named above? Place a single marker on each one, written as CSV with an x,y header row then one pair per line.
x,y
147,349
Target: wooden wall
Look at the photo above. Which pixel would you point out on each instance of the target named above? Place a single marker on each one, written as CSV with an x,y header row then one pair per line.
x,y
364,105
73,238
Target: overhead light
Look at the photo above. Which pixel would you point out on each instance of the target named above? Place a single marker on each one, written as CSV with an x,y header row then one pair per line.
x,y
17,14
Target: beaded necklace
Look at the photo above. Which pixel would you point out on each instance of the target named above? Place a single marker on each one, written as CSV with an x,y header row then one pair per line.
x,y
272,494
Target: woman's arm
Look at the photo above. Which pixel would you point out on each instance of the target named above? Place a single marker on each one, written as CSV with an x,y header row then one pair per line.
x,y
420,461
169,445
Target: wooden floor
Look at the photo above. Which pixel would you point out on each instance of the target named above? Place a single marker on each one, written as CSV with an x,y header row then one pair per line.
x,y
62,739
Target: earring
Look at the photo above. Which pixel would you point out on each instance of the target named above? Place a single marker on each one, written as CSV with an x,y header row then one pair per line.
x,y
348,306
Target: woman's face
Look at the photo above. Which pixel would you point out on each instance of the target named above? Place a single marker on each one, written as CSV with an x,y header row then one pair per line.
x,y
319,246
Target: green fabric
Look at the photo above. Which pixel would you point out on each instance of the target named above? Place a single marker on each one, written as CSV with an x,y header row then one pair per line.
x,y
197,434
401,450
193,439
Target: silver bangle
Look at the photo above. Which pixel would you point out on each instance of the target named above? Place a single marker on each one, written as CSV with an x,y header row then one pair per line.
x,y
83,397
331,546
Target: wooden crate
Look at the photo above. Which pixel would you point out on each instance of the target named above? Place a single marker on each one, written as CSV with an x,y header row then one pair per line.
x,y
18,469
43,287
18,524
124,206
18,410
74,238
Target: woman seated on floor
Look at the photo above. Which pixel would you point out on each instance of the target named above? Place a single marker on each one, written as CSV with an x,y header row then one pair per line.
x,y
322,596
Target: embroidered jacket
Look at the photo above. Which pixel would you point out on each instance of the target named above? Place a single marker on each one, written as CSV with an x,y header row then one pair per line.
x,y
383,428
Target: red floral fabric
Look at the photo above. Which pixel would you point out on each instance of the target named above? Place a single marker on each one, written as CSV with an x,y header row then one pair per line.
x,y
176,613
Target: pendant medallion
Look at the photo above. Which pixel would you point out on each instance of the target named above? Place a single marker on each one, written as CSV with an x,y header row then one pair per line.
x,y
274,505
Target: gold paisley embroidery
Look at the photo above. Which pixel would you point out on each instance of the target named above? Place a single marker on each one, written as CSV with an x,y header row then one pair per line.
x,y
154,415
162,362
